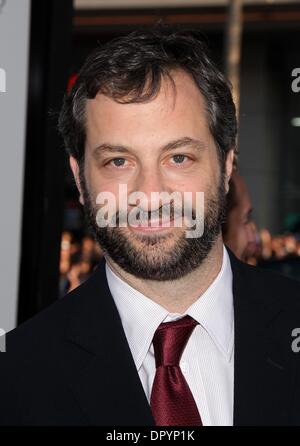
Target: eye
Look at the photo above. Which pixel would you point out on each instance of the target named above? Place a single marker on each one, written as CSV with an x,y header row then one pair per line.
x,y
118,162
179,158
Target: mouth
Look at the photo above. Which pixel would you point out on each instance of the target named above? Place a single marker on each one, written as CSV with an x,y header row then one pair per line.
x,y
154,226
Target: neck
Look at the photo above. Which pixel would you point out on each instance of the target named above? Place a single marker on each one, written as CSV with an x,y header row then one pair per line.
x,y
178,295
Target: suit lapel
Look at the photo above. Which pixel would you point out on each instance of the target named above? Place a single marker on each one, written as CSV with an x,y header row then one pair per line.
x,y
105,380
263,372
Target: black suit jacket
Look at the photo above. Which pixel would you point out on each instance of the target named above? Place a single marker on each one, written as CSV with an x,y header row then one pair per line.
x,y
71,363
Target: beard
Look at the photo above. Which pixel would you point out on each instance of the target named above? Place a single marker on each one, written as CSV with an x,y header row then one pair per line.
x,y
163,256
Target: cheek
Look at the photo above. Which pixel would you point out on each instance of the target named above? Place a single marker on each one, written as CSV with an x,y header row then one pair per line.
x,y
201,181
98,183
199,188
250,233
236,228
242,233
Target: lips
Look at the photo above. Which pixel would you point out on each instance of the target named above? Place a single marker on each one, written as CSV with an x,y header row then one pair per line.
x,y
154,225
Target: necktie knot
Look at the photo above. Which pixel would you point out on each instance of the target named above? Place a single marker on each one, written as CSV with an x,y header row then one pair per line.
x,y
170,340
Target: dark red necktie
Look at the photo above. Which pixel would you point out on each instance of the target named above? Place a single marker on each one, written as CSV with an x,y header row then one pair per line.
x,y
172,402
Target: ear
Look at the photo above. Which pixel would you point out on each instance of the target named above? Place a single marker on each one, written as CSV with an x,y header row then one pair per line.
x,y
228,168
75,169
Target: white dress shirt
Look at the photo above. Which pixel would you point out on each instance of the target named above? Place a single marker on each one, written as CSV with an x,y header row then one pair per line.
x,y
207,360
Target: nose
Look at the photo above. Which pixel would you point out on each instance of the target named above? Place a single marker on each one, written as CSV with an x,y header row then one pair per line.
x,y
148,182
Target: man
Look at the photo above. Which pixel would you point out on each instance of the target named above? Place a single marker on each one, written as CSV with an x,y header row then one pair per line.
x,y
239,232
171,329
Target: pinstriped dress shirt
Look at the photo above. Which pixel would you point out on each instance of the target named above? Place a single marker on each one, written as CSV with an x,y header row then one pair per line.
x,y
207,361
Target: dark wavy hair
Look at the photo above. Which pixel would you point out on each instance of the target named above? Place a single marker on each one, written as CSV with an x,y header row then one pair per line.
x,y
130,69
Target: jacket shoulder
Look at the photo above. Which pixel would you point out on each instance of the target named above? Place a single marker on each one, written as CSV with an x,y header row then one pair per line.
x,y
271,286
45,329
36,365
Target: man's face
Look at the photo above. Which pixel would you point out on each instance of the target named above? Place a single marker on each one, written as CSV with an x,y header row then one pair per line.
x,y
159,146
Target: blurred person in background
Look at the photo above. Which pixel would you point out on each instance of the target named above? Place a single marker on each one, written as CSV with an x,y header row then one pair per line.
x,y
239,230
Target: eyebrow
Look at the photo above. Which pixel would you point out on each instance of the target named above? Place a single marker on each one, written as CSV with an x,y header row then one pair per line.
x,y
185,141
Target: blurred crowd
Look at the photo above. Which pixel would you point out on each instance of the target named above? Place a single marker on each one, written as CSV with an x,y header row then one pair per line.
x,y
79,258
279,247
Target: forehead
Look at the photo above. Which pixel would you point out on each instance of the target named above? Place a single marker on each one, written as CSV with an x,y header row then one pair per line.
x,y
179,111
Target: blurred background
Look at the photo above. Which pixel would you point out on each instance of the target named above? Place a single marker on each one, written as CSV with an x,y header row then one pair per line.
x,y
47,249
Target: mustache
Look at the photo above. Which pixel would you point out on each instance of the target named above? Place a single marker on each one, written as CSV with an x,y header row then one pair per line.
x,y
162,213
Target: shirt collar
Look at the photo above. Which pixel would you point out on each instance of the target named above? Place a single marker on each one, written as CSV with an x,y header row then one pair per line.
x,y
141,316
214,309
